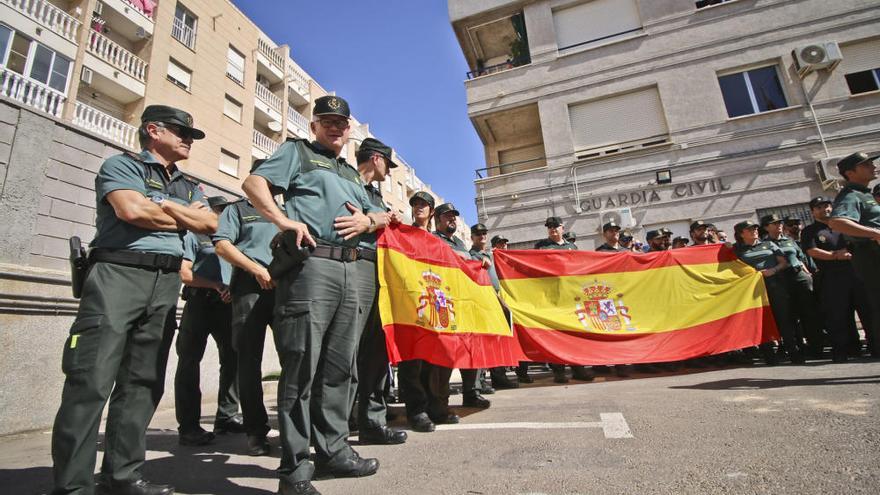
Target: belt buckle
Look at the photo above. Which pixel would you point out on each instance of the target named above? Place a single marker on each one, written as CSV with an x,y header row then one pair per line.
x,y
349,254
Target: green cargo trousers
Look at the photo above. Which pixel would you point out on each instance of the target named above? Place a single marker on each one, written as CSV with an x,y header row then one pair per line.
x,y
119,342
372,358
318,322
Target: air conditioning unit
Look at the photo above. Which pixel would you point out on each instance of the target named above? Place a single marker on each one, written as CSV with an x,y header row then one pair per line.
x,y
86,76
622,217
99,7
826,170
817,56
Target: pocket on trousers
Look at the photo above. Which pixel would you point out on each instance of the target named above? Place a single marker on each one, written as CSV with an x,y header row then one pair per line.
x,y
292,326
81,348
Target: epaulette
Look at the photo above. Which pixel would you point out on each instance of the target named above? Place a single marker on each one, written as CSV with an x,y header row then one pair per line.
x,y
295,139
134,156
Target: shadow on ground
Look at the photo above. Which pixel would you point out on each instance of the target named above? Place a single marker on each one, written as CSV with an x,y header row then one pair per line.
x,y
766,383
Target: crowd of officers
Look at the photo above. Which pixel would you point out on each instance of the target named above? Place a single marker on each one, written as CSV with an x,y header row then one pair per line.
x,y
307,268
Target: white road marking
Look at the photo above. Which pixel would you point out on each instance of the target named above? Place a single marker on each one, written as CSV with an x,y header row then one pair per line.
x,y
613,425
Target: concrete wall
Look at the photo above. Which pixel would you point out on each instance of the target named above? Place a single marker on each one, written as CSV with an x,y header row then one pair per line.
x,y
47,171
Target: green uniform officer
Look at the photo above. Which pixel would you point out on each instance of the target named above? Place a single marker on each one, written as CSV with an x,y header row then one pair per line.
x,y
123,330
207,312
242,239
611,234
767,258
374,164
856,214
319,313
658,240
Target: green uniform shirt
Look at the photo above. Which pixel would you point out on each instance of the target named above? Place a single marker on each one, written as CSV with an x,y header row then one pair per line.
x,y
606,247
760,256
483,255
147,177
790,249
206,264
368,240
243,226
548,244
855,202
316,187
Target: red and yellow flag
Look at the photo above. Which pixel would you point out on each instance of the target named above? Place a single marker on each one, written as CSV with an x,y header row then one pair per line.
x,y
439,307
583,307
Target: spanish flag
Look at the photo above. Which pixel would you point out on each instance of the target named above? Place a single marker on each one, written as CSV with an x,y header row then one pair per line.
x,y
601,308
439,307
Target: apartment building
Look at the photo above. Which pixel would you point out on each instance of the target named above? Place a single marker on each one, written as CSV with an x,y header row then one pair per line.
x,y
660,112
98,63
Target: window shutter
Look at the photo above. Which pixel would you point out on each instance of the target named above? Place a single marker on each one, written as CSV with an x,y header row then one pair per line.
x,y
617,119
864,55
179,73
594,20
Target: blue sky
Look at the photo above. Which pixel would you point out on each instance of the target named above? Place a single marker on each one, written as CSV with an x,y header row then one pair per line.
x,y
400,67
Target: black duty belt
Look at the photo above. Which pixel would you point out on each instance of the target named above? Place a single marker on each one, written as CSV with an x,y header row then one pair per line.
x,y
343,253
152,261
203,293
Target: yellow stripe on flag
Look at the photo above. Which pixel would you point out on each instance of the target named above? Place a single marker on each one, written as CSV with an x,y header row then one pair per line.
x,y
649,301
437,298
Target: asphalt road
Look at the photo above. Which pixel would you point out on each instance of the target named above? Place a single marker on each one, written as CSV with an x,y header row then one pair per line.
x,y
786,429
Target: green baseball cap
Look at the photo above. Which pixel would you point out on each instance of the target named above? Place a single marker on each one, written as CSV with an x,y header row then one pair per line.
x,y
424,196
171,115
446,208
372,144
479,228
331,105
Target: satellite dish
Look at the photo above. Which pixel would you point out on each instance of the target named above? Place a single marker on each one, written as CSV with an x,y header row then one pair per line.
x,y
813,54
275,126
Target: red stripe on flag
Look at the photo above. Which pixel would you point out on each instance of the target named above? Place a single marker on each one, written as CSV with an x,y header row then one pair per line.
x,y
464,351
737,331
513,264
421,245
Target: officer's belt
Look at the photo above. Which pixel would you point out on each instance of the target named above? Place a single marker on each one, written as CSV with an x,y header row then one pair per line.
x,y
343,253
210,295
152,261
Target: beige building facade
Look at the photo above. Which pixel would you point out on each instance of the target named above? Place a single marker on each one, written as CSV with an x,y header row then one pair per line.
x,y
661,112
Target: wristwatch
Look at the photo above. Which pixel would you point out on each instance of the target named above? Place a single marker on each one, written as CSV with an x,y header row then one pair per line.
x,y
157,199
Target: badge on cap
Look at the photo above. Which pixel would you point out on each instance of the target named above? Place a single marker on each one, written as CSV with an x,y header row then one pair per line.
x,y
333,103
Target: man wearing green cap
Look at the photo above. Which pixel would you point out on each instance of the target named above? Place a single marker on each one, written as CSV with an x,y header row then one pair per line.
x,y
319,311
856,214
120,339
611,233
207,312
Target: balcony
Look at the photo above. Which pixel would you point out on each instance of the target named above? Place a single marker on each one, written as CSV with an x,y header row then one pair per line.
x,y
298,85
120,58
31,93
116,71
270,63
297,123
183,33
45,14
514,141
128,19
264,146
94,120
497,45
267,108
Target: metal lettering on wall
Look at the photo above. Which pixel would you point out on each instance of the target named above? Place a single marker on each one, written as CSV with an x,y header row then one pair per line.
x,y
649,196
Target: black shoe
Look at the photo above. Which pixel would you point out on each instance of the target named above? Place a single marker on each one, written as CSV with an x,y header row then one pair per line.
x,y
524,378
195,438
421,423
447,419
353,467
798,358
382,435
258,445
476,400
106,486
485,389
560,377
298,488
622,370
232,425
504,384
582,374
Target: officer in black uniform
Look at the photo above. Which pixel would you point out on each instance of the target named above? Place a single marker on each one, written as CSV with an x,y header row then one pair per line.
x,y
556,240
611,233
207,312
658,240
856,214
700,233
120,340
838,287
793,227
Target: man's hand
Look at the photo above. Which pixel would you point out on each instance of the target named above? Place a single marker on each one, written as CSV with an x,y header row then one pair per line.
x,y
354,225
395,217
198,205
769,272
263,278
225,295
842,254
303,237
486,263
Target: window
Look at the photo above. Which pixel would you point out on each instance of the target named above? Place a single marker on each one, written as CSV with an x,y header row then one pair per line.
x,y
232,109
618,122
30,58
179,74
595,21
709,3
388,186
752,91
50,68
861,66
235,65
228,163
183,29
401,192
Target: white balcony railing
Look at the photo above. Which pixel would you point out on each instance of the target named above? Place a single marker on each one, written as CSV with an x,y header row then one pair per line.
x,y
50,16
298,120
183,33
110,52
92,119
298,80
138,6
30,92
269,52
268,97
264,143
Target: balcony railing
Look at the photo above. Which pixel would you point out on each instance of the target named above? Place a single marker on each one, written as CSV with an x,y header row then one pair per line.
x,y
138,6
183,33
298,80
92,119
50,16
506,168
298,120
269,52
268,97
110,52
30,92
264,143
492,69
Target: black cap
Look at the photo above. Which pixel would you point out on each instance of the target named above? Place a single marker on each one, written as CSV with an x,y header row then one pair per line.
x,y
792,220
626,236
876,190
498,240
819,200
171,115
217,201
747,224
665,232
479,228
652,234
552,222
681,239
610,225
768,219
331,105
570,236
697,224
427,198
851,161
372,144
445,208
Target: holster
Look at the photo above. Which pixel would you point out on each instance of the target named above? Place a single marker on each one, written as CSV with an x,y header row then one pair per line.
x,y
79,266
285,254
